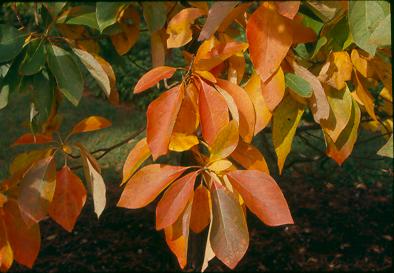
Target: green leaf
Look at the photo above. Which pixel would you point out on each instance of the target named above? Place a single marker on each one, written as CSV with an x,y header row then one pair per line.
x,y
67,74
95,69
382,34
387,149
107,12
11,42
297,84
34,59
4,92
43,99
155,15
364,17
85,15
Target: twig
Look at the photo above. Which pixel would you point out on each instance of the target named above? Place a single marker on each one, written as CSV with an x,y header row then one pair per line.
x,y
15,9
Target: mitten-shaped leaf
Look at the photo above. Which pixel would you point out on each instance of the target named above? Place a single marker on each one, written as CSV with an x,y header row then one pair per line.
x,y
262,196
147,184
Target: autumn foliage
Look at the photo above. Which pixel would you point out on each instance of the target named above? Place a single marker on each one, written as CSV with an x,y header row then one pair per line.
x,y
249,67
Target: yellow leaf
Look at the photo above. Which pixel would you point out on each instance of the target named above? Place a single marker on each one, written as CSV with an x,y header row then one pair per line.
x,y
284,124
364,95
206,75
178,28
340,111
225,142
249,157
90,124
220,166
181,142
361,63
337,70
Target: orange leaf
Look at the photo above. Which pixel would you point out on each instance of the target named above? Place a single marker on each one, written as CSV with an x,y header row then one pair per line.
x,y
188,117
273,89
37,188
364,95
262,196
247,116
287,9
270,37
134,160
147,184
213,112
174,200
6,255
32,139
225,142
229,236
89,124
263,114
250,157
178,28
361,61
177,236
216,14
126,39
161,117
201,216
337,70
152,77
68,200
25,240
236,14
343,146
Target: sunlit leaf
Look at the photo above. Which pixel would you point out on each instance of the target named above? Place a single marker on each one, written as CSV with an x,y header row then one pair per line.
x,y
337,70
219,166
180,142
262,196
297,84
152,77
273,90
147,184
364,95
249,157
89,124
200,215
225,142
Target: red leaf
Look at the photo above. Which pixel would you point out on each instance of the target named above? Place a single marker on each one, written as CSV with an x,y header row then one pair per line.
x,y
25,240
161,117
270,37
32,139
262,196
69,199
213,112
174,200
201,215
287,9
147,184
152,77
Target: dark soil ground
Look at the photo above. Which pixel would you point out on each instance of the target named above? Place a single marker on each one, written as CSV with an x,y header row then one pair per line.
x,y
346,227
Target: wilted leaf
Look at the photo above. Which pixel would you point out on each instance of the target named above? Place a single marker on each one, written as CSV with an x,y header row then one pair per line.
x,y
147,184
229,236
25,240
225,142
216,14
37,188
161,117
178,28
67,74
201,212
174,200
135,158
270,37
95,181
249,157
68,200
262,195
213,112
89,124
152,77
284,124
247,116
263,114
